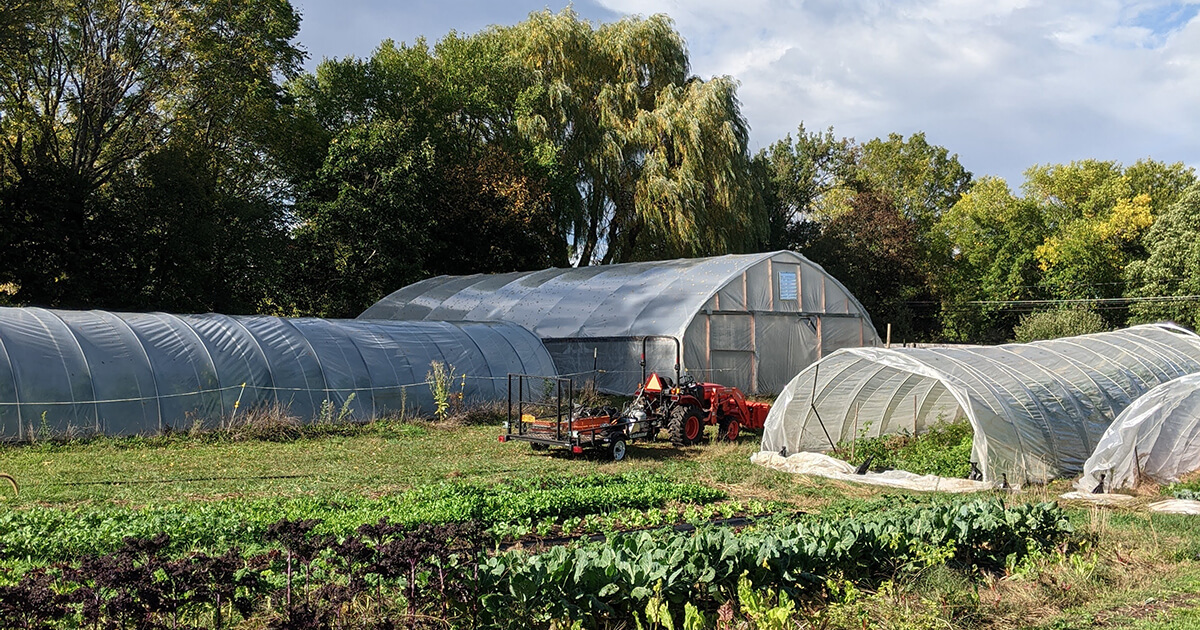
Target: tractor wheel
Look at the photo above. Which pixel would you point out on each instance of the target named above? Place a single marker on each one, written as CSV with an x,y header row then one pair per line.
x,y
685,427
729,429
616,450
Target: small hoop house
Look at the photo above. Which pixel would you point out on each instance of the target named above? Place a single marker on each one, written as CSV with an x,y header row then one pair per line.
x,y
1157,437
1038,410
752,320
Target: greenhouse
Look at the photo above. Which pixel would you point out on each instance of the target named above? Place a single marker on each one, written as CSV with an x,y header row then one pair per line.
x,y
752,320
125,373
1038,410
1157,437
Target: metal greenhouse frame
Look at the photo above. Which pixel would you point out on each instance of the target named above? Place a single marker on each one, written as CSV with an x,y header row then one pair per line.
x,y
752,321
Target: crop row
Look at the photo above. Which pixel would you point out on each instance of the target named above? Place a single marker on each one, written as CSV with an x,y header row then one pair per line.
x,y
42,534
388,574
614,580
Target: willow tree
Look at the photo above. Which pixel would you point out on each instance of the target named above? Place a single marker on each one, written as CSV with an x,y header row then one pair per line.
x,y
652,162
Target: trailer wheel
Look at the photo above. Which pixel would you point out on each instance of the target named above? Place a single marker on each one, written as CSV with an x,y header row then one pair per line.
x,y
616,450
685,426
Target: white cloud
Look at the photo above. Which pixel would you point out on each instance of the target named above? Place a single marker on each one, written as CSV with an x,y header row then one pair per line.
x,y
1003,84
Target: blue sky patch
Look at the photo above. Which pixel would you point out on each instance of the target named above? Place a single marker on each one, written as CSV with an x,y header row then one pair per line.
x,y
1163,20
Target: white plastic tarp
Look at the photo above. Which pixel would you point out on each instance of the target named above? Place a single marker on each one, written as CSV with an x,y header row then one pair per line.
x,y
1038,410
1158,435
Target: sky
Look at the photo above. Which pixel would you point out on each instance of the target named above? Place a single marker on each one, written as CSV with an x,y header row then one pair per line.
x,y
1004,84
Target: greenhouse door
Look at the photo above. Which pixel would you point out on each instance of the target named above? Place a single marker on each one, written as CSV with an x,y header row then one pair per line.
x,y
792,342
733,358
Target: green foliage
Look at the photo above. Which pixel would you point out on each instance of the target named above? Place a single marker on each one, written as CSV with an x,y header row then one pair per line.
x,y
943,450
127,181
441,380
325,415
924,180
1080,232
1172,267
765,609
994,234
40,534
618,578
866,213
655,162
1184,490
1066,322
801,180
874,250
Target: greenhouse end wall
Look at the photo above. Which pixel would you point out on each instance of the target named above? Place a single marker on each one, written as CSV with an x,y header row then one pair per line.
x,y
141,373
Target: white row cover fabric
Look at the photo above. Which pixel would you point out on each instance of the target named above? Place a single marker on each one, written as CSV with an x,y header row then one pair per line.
x,y
1038,410
1189,507
1159,433
752,320
135,373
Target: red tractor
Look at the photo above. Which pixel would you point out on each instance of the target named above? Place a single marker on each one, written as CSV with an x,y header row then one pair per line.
x,y
683,407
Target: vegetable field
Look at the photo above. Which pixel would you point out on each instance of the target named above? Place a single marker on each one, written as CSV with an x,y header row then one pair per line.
x,y
422,525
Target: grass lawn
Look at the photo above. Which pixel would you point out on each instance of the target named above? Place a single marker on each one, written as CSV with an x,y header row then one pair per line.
x,y
377,459
1129,570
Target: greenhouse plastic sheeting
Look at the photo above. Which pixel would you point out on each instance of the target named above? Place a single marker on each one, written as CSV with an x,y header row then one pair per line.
x,y
134,373
1038,410
752,320
1158,434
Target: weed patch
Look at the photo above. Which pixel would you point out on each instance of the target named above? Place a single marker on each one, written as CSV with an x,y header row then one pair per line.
x,y
943,450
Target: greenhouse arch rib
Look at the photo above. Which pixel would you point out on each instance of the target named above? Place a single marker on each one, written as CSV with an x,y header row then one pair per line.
x,y
1037,409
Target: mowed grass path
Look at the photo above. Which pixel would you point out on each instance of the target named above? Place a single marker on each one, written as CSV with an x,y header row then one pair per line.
x,y
375,460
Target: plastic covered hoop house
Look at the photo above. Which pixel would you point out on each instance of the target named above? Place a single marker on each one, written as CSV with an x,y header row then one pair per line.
x,y
1158,437
1038,410
748,320
132,373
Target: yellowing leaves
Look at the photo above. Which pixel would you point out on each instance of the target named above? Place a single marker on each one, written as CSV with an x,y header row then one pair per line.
x,y
1128,220
1098,236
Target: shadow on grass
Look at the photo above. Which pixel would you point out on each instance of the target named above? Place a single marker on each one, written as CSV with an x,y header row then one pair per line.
x,y
659,451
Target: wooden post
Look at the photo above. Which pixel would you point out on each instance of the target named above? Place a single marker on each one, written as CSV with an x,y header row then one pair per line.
x,y
889,336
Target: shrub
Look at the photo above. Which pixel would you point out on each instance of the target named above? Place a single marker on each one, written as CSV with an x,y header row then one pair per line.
x,y
1066,322
943,450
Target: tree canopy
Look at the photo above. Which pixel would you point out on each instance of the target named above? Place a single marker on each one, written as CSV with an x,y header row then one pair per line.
x,y
172,155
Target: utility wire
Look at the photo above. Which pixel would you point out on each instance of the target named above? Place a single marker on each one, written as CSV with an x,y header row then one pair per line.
x,y
1120,300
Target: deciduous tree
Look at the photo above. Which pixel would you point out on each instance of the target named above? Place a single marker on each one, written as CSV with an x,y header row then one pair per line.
x,y
92,88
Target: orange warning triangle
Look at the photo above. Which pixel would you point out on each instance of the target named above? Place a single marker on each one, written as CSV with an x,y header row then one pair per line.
x,y
653,384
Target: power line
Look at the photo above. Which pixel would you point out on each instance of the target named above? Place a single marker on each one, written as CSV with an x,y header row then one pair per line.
x,y
1033,305
1120,300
